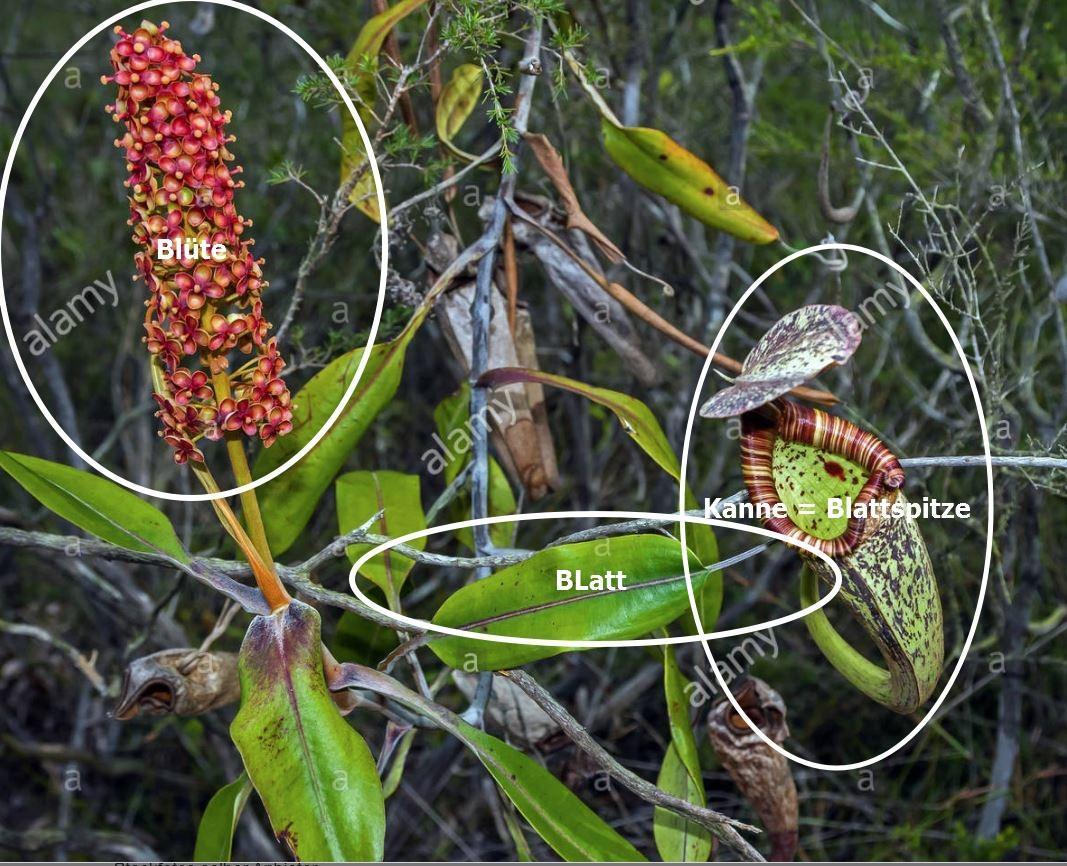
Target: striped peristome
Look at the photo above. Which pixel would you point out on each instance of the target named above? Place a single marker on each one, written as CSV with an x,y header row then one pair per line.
x,y
829,433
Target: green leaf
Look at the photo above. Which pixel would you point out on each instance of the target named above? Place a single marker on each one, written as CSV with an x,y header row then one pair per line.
x,y
678,839
889,586
289,500
361,495
638,422
214,835
314,773
797,348
362,63
660,164
450,417
571,829
457,101
680,774
674,684
636,418
95,504
522,601
396,767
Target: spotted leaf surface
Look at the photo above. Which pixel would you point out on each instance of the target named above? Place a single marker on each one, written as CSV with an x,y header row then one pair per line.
x,y
809,476
889,587
659,163
313,772
797,348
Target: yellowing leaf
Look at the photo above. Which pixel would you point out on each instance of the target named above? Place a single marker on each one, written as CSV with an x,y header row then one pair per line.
x,y
362,59
354,158
362,62
458,99
659,163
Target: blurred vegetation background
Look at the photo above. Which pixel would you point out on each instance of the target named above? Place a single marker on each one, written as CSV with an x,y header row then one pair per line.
x,y
946,132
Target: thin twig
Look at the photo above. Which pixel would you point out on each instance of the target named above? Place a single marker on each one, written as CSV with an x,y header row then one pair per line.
x,y
82,663
646,314
726,828
722,826
481,308
486,156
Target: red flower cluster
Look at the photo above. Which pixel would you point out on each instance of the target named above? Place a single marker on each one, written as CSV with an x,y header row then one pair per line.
x,y
182,191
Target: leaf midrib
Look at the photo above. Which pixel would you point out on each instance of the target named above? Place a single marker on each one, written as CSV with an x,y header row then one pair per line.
x,y
88,506
585,596
308,763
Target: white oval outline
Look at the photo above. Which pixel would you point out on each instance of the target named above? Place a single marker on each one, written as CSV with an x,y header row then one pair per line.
x,y
425,625
857,765
252,485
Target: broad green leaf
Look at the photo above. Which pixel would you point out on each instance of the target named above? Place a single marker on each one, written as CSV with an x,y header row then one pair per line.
x,y
573,830
313,772
678,839
95,504
452,455
660,164
457,101
362,63
289,500
361,495
638,422
797,348
522,601
214,835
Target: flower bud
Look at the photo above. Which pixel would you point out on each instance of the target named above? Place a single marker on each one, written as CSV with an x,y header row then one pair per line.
x,y
182,190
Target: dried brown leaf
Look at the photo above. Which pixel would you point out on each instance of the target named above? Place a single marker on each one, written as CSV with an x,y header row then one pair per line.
x,y
181,682
549,159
